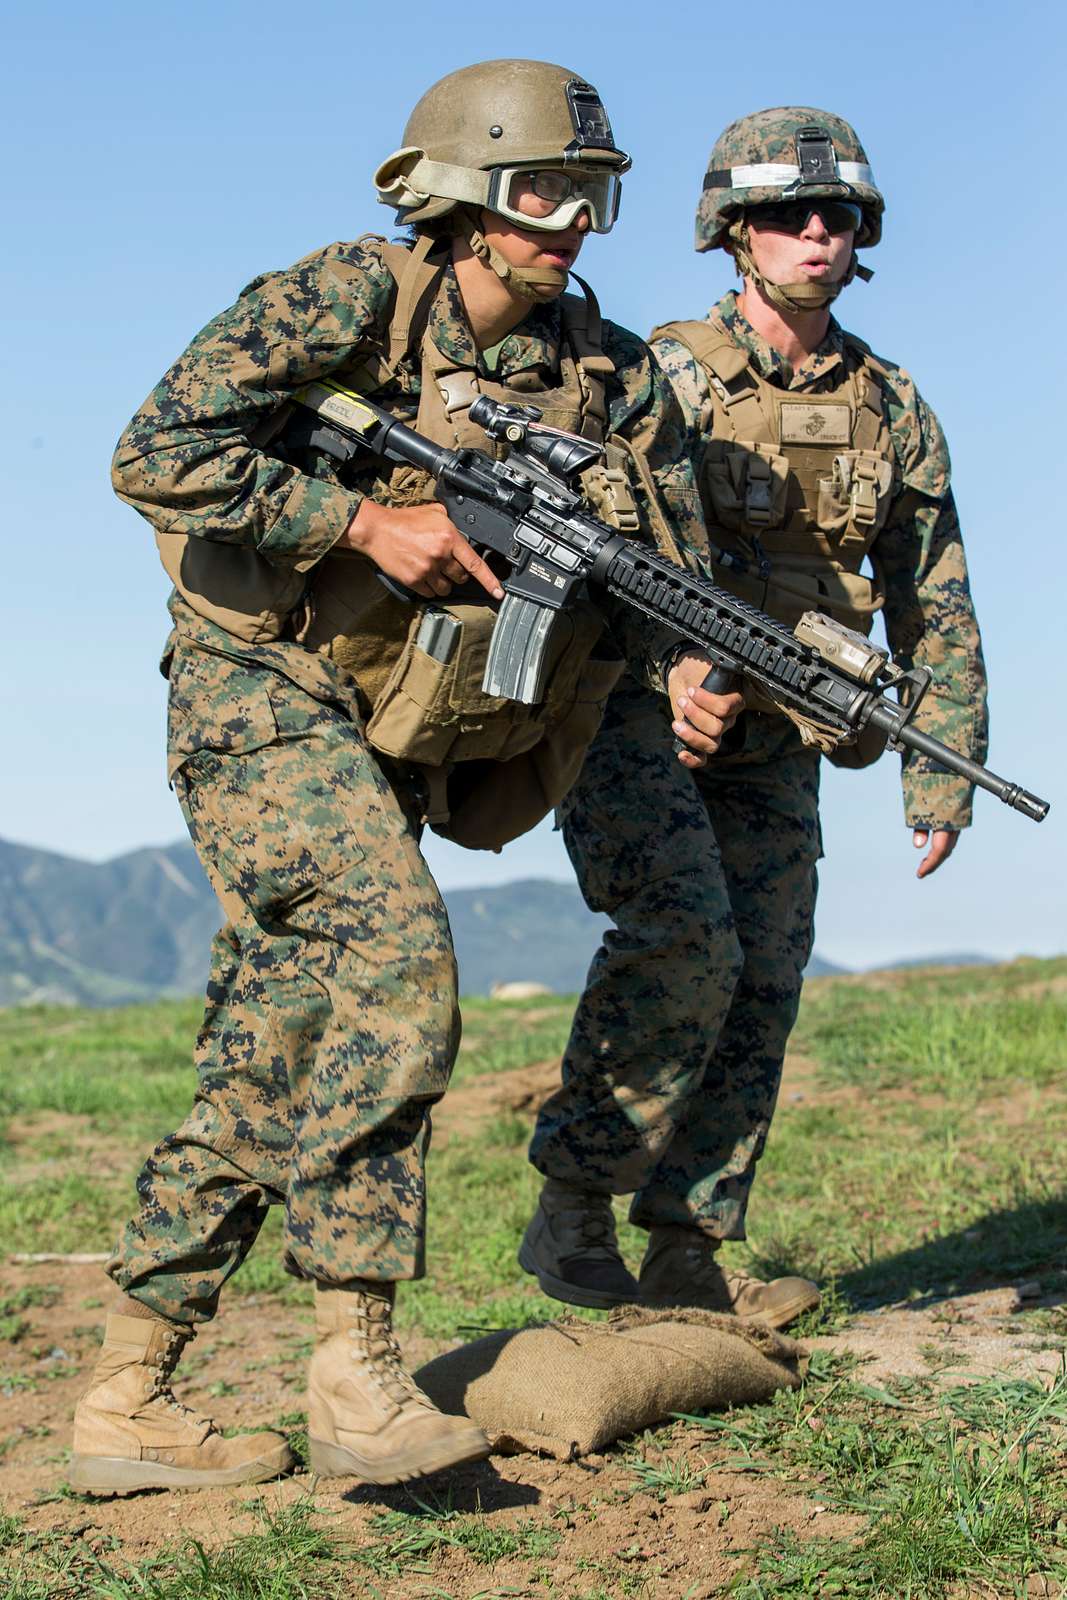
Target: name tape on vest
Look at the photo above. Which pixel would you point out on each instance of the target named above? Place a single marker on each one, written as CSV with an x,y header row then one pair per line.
x,y
803,424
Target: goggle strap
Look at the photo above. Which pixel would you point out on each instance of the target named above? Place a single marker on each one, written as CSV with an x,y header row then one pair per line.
x,y
441,180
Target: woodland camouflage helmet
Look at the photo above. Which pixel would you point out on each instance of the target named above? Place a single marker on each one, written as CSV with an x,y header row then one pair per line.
x,y
786,153
494,115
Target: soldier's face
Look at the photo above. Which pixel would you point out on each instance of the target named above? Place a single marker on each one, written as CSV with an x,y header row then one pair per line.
x,y
534,247
814,255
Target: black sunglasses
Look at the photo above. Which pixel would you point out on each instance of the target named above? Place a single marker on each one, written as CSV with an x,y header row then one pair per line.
x,y
792,216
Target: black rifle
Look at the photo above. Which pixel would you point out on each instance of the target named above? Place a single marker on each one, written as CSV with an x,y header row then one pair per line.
x,y
528,510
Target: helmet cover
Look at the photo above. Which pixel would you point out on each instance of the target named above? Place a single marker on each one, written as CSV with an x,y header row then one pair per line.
x,y
786,153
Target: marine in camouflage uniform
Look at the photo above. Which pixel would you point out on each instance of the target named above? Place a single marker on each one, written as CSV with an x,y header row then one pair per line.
x,y
332,1022
308,814
673,1065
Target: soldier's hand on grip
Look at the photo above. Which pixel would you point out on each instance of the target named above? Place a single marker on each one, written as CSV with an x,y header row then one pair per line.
x,y
700,718
419,547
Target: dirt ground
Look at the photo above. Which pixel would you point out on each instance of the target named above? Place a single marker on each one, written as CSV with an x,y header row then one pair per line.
x,y
685,1537
250,1364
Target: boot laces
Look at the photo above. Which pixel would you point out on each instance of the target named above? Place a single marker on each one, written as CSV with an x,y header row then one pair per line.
x,y
598,1231
381,1356
594,1223
163,1372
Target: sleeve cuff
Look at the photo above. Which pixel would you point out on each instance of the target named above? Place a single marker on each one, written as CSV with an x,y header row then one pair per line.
x,y
315,515
938,801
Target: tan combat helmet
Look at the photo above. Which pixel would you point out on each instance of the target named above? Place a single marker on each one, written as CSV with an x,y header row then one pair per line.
x,y
784,154
473,130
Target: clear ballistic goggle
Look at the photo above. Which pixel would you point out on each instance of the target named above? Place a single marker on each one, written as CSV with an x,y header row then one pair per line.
x,y
532,194
549,199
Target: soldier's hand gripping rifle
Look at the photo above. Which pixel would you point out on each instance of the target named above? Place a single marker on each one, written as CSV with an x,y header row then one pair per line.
x,y
527,510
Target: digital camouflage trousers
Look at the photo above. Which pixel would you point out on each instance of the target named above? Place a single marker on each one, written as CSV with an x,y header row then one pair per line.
x,y
672,1069
332,1019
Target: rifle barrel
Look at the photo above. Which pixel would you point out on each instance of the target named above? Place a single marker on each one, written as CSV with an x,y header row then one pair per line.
x,y
1011,793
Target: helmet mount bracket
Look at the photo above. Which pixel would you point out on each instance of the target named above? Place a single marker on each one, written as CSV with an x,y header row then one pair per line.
x,y
817,161
815,156
592,130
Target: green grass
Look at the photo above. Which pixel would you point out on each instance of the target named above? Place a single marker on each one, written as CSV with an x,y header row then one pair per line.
x,y
13,1324
127,1071
925,1157
928,1198
959,1486
404,1539
938,1042
290,1555
662,1475
929,1185
501,1034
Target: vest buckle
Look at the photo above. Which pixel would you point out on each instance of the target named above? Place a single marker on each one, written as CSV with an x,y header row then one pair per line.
x,y
863,498
458,390
758,485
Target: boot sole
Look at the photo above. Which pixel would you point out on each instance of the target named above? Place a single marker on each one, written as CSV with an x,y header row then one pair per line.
x,y
118,1475
572,1294
336,1461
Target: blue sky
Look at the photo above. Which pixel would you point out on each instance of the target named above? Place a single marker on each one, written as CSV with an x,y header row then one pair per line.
x,y
164,156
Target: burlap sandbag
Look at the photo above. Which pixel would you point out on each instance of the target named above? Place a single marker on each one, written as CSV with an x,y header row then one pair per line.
x,y
567,1388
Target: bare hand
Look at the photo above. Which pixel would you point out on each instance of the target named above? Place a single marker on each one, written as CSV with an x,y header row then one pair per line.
x,y
700,718
942,842
418,546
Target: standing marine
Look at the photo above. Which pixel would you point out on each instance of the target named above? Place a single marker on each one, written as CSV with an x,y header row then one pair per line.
x,y
824,480
317,721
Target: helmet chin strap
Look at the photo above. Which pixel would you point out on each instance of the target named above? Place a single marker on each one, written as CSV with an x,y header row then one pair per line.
x,y
792,297
524,280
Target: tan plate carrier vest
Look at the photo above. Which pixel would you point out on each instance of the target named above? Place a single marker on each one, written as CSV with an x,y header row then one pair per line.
x,y
795,485
426,712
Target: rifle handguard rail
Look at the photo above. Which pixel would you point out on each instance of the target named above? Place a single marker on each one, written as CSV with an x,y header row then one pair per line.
x,y
528,510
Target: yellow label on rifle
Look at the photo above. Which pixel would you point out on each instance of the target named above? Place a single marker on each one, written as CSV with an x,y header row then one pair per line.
x,y
339,405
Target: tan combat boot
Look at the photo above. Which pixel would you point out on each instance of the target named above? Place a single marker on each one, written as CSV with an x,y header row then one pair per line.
x,y
680,1269
571,1249
366,1417
131,1433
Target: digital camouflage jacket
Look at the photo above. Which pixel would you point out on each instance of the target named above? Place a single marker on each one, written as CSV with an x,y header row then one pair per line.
x,y
918,552
186,461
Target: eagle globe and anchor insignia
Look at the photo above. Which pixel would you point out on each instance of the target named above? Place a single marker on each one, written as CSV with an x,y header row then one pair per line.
x,y
822,424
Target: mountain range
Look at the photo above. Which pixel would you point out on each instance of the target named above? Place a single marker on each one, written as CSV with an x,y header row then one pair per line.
x,y
139,927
